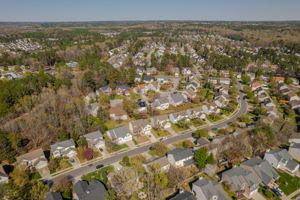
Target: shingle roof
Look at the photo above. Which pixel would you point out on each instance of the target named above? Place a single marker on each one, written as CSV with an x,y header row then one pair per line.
x,y
184,196
31,155
210,189
64,144
92,191
93,135
177,98
262,169
180,154
118,132
53,196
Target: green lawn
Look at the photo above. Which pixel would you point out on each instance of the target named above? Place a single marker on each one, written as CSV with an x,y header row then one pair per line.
x,y
160,133
100,174
184,144
287,183
214,118
197,122
267,193
178,129
35,176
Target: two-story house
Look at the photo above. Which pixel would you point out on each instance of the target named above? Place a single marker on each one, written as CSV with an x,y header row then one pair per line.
x,y
181,157
95,139
64,149
119,135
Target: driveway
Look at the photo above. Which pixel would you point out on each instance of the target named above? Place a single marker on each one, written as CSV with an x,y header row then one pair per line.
x,y
257,196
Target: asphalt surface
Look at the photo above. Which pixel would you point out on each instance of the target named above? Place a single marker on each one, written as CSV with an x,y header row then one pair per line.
x,y
139,150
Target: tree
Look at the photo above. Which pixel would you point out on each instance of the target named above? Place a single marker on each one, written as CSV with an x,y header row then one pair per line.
x,y
89,153
159,148
126,161
20,176
6,150
82,142
202,157
246,79
62,184
200,133
38,191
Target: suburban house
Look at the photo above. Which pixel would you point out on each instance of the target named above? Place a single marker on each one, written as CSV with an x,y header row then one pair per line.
x,y
193,86
119,135
262,170
151,71
90,97
255,85
33,160
142,106
104,90
95,139
123,90
212,80
189,94
161,103
221,101
206,189
64,148
53,196
89,191
162,79
138,78
291,96
3,176
225,81
160,122
148,79
181,157
281,159
241,181
177,99
93,109
295,104
175,117
140,126
278,79
140,71
186,71
294,151
116,111
161,162
196,113
154,86
183,195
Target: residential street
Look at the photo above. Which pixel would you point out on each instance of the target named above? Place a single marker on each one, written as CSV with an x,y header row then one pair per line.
x,y
139,150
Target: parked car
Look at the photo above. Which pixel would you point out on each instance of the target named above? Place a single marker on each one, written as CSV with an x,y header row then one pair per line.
x,y
99,166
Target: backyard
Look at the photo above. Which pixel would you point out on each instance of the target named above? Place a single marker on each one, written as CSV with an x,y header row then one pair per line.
x,y
287,183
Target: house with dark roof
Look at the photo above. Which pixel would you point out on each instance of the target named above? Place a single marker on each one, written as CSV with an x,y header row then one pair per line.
x,y
64,148
95,139
184,195
241,181
89,191
148,79
262,169
123,90
53,196
181,157
281,159
294,151
162,79
206,189
119,135
104,90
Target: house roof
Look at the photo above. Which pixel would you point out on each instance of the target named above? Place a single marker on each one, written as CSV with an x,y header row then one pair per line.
x,y
53,196
162,161
31,155
210,189
280,154
117,110
180,154
64,144
147,78
262,169
295,145
92,191
93,135
160,101
177,98
240,176
160,118
120,132
139,124
185,195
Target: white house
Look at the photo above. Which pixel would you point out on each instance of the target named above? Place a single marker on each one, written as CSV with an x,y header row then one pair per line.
x,y
119,135
161,121
281,159
181,157
141,126
64,148
95,139
161,103
175,117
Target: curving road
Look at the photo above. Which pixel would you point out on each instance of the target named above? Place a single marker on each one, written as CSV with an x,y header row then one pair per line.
x,y
115,158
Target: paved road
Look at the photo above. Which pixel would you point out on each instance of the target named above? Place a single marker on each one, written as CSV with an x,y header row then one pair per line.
x,y
139,150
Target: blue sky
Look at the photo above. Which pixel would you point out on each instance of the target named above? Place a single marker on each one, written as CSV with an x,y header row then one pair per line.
x,y
104,10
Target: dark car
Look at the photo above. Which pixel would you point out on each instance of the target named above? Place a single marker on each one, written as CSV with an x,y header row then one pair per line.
x,y
99,166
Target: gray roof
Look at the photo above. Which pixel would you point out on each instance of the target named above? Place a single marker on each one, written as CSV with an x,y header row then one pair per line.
x,y
64,144
180,154
295,146
291,165
210,189
160,101
120,132
280,154
148,78
184,196
177,98
92,191
53,196
94,135
263,169
240,176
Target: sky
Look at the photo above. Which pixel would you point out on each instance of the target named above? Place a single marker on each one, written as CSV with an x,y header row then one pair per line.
x,y
116,10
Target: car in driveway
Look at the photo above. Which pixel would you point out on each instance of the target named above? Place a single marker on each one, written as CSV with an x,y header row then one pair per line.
x,y
99,166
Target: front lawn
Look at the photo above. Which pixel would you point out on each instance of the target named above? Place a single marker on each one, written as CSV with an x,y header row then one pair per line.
x,y
35,176
197,122
160,133
184,144
138,139
214,118
287,183
100,174
178,129
267,193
